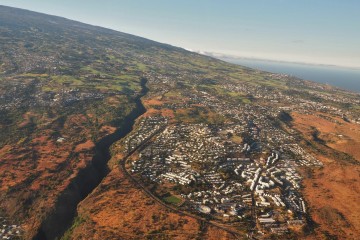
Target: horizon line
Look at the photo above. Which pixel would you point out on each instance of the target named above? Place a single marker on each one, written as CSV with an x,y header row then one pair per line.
x,y
221,56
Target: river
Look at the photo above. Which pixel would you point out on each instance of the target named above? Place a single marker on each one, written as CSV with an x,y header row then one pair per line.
x,y
88,178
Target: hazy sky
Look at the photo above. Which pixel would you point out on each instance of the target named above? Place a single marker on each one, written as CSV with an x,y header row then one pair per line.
x,y
312,31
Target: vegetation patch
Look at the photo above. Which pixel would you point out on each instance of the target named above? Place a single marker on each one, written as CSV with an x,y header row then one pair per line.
x,y
77,222
172,200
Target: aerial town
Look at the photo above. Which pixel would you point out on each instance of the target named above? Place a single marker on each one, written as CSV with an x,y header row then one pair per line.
x,y
242,170
224,179
98,126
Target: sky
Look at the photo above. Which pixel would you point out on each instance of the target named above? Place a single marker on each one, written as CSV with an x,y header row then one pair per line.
x,y
307,31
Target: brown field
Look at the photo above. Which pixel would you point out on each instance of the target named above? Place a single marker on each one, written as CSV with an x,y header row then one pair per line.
x,y
88,145
106,130
333,196
153,102
150,112
117,209
337,133
38,168
213,233
333,192
165,112
150,103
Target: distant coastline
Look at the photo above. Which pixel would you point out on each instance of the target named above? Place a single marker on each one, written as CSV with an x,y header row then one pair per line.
x,y
342,77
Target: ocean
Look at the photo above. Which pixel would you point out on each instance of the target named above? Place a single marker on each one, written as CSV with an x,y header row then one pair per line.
x,y
345,78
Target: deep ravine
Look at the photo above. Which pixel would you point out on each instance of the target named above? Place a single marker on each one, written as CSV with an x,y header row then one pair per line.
x,y
88,178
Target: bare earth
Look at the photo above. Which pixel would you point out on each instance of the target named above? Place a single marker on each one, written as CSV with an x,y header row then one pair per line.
x,y
119,210
333,192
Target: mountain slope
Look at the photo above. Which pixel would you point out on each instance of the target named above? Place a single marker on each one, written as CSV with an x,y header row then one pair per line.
x,y
70,90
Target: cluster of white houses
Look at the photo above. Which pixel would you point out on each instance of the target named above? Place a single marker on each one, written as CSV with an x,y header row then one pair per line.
x,y
194,154
8,231
259,171
146,127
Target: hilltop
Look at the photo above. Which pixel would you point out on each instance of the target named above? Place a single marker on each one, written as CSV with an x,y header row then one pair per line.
x,y
106,134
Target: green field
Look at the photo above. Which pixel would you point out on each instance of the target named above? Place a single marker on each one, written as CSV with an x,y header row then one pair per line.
x,y
172,200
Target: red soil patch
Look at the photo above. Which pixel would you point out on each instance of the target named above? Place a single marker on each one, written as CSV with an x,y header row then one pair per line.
x,y
167,113
27,117
107,129
163,112
153,102
333,196
85,146
333,192
151,112
34,173
337,133
4,150
214,233
119,210
76,119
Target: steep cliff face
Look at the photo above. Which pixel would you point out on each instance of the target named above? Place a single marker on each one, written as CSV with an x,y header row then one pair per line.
x,y
88,178
60,217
